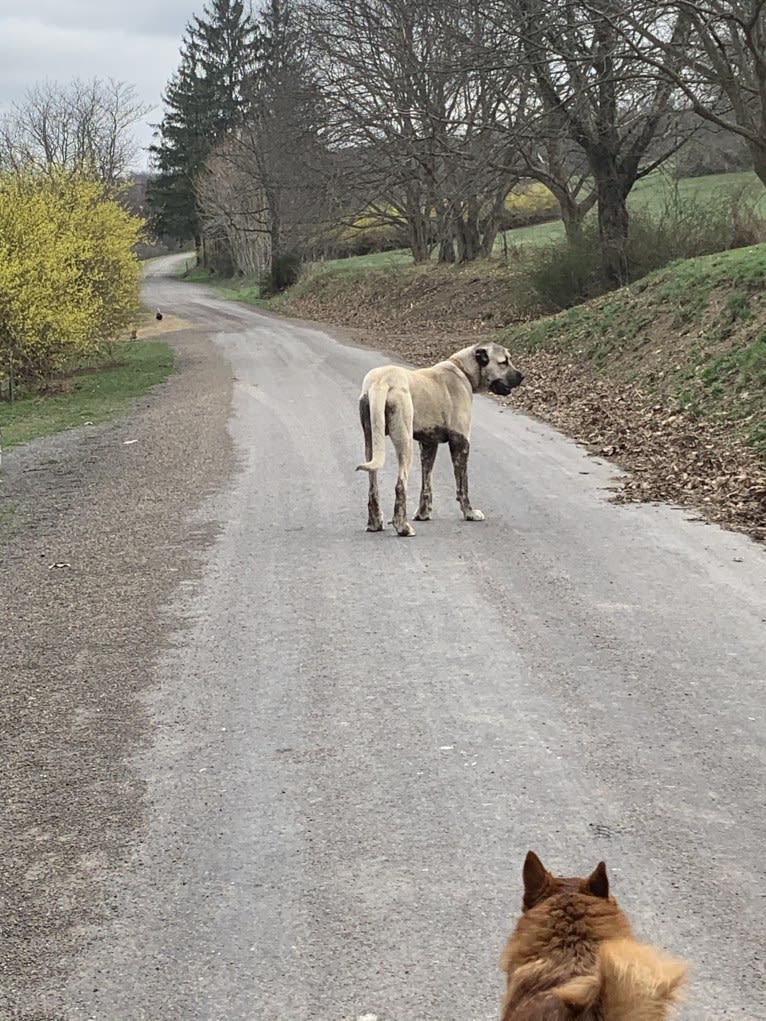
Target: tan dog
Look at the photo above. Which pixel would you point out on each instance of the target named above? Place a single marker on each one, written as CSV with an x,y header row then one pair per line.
x,y
433,406
573,955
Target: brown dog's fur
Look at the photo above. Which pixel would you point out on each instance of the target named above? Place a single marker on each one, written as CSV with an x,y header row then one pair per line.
x,y
573,955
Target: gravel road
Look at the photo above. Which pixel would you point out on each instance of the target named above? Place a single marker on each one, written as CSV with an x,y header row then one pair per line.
x,y
260,764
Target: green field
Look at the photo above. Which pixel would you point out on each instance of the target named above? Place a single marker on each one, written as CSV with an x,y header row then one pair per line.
x,y
93,394
650,194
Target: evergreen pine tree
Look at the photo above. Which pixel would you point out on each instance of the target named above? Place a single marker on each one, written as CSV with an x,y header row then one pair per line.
x,y
206,98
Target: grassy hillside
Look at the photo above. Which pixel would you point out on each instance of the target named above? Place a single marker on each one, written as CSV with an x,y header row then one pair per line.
x,y
692,336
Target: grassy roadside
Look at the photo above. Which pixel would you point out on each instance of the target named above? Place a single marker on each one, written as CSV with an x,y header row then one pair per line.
x,y
91,395
691,336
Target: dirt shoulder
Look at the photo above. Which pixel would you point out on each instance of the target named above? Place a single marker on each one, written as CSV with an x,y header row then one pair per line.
x,y
94,539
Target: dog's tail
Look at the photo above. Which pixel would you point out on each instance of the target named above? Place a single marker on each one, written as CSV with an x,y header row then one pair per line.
x,y
633,982
640,983
376,424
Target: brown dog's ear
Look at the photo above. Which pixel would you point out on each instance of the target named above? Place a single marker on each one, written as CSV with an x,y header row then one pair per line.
x,y
481,356
535,880
597,882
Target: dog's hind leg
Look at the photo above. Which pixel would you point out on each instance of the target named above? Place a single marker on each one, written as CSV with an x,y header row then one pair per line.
x,y
374,515
427,457
400,431
458,448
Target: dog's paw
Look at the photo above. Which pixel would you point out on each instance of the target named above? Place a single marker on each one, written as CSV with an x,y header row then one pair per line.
x,y
474,515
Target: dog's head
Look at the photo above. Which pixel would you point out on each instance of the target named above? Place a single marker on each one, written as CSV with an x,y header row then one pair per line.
x,y
496,371
539,884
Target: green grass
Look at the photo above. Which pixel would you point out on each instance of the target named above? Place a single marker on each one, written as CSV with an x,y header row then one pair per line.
x,y
686,285
94,395
691,333
653,192
235,289
375,260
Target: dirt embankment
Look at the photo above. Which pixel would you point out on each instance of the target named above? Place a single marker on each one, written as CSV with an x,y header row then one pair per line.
x,y
650,377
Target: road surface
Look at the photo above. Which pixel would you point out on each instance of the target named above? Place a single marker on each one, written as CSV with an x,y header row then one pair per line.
x,y
355,738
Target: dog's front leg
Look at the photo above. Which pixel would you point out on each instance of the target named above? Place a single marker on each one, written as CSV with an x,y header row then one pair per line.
x,y
427,457
458,448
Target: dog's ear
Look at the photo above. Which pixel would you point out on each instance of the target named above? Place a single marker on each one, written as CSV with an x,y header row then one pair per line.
x,y
482,357
597,882
535,880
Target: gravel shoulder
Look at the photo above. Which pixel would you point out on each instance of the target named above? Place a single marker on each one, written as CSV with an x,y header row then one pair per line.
x,y
94,539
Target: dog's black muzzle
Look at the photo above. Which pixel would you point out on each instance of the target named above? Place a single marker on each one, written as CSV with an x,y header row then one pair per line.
x,y
502,387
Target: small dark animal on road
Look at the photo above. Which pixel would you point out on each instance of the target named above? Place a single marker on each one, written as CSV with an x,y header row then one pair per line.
x,y
573,955
433,406
158,315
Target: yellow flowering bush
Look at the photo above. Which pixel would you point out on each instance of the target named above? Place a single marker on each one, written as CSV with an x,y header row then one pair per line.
x,y
530,203
68,275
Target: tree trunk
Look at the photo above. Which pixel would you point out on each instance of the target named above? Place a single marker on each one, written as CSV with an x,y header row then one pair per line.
x,y
488,238
572,216
758,153
445,232
447,250
417,227
274,222
613,227
467,233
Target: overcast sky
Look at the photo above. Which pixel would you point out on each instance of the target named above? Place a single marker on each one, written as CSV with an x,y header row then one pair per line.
x,y
134,41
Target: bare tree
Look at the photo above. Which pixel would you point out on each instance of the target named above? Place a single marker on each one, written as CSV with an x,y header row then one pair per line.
x,y
233,206
82,126
550,157
417,116
718,61
582,58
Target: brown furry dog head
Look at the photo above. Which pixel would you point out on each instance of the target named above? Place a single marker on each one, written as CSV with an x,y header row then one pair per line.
x,y
573,955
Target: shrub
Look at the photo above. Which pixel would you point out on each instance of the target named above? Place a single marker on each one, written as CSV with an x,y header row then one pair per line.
x,y
68,275
528,204
562,274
